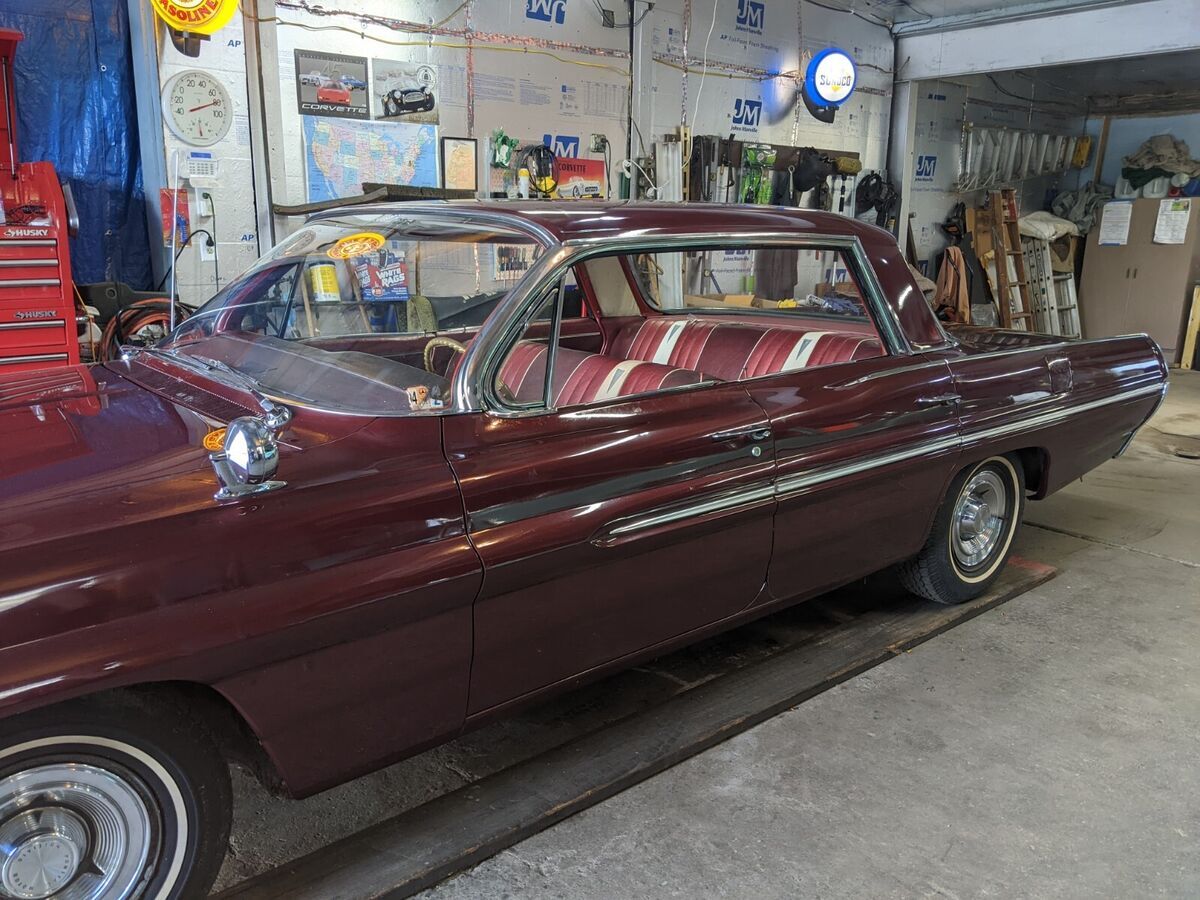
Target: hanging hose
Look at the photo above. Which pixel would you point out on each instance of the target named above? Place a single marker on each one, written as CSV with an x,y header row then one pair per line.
x,y
136,317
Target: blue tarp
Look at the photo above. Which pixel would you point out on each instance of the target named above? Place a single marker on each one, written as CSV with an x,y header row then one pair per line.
x,y
76,106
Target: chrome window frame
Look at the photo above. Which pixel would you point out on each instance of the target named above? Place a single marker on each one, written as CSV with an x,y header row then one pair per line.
x,y
473,388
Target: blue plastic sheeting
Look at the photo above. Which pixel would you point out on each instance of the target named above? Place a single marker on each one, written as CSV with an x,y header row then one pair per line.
x,y
76,107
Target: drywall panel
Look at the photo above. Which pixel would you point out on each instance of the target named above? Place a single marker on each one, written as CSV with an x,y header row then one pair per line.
x,y
942,108
539,69
233,224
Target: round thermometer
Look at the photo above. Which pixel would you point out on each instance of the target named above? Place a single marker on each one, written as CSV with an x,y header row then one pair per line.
x,y
197,107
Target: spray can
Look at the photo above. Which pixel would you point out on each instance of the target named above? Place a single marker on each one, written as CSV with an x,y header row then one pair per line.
x,y
523,183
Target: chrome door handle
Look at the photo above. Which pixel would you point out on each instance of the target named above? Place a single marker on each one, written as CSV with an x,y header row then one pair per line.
x,y
940,400
757,435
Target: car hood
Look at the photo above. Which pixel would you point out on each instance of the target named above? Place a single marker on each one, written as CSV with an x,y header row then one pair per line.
x,y
84,445
89,427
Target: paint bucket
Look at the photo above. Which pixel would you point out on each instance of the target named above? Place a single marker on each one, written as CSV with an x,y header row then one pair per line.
x,y
322,278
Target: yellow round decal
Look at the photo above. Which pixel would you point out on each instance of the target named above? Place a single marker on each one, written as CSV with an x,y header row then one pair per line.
x,y
198,16
356,245
215,440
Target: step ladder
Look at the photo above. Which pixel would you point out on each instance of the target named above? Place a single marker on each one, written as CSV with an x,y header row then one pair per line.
x,y
1016,309
1067,303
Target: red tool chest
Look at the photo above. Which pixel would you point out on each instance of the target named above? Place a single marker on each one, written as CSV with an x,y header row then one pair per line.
x,y
38,325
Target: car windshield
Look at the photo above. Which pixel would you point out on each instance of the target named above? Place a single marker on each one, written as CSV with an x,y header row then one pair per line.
x,y
341,314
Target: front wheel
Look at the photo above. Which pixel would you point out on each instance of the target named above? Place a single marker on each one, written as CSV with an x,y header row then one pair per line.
x,y
114,797
972,534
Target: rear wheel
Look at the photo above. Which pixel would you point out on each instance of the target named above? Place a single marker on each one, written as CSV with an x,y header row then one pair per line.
x,y
972,534
110,798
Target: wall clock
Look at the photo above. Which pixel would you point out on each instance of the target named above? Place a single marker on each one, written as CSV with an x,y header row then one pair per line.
x,y
197,107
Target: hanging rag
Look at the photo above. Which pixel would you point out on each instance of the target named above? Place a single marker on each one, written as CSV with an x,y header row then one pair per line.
x,y
952,299
1080,206
1166,152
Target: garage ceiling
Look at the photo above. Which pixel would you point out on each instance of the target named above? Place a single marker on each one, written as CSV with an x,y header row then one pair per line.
x,y
1158,83
933,15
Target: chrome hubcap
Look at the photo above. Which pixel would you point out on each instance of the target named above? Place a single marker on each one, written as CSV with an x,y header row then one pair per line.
x,y
72,831
979,519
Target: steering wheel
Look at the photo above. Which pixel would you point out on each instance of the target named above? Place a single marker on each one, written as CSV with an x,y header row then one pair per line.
x,y
436,342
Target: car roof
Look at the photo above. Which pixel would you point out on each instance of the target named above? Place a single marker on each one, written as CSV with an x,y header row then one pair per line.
x,y
568,220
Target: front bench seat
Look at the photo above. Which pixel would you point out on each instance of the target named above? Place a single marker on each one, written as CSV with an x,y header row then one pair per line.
x,y
581,377
731,351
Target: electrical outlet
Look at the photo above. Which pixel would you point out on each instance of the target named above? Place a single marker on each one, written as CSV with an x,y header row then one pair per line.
x,y
207,253
599,142
607,17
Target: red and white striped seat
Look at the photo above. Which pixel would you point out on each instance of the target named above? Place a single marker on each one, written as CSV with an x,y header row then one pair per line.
x,y
581,377
730,351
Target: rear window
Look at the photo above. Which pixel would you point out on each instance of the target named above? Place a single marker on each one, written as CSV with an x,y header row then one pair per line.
x,y
805,281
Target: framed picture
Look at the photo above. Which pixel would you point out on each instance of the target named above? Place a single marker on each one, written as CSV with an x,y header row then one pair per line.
x,y
459,164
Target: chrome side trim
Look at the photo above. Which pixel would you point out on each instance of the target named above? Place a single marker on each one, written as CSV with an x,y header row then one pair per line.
x,y
723,503
799,482
1157,406
784,487
33,323
1049,418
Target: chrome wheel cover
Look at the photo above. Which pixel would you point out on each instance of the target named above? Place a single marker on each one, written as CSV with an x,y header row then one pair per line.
x,y
74,831
980,520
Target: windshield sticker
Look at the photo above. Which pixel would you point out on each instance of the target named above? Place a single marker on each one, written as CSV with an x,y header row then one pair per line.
x,y
422,396
356,245
215,440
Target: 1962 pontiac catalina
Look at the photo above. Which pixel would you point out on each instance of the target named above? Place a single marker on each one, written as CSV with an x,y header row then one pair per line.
x,y
425,463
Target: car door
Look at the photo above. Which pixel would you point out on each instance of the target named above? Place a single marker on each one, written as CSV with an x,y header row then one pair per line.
x,y
864,452
866,434
610,527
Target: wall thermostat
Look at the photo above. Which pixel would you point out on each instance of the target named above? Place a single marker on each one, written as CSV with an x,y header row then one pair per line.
x,y
197,107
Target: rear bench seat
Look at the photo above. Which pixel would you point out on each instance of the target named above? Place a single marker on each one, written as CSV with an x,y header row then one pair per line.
x,y
581,377
733,350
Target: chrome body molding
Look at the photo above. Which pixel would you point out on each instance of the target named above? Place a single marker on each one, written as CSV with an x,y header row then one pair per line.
x,y
1057,415
1158,405
728,503
790,485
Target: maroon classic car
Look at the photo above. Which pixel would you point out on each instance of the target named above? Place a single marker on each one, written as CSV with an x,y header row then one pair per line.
x,y
425,463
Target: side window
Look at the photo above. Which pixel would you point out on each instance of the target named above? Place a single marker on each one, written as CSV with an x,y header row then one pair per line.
x,y
719,314
808,282
521,381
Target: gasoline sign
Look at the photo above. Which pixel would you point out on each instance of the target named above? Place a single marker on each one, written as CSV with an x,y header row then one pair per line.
x,y
196,16
830,77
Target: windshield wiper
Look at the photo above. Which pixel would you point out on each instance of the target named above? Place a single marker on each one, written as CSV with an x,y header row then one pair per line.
x,y
274,415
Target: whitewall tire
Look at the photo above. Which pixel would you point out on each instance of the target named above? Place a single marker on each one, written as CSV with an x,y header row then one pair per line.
x,y
110,798
972,534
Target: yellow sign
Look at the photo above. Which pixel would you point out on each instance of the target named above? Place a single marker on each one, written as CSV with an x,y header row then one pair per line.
x,y
215,440
197,16
356,245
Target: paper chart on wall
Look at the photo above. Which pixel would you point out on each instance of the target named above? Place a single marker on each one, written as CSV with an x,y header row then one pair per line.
x,y
1172,223
1114,223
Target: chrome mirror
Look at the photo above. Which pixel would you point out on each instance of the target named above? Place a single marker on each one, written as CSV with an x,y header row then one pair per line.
x,y
249,457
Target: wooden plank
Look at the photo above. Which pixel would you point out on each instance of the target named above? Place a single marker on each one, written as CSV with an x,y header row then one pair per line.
x,y
1192,333
419,848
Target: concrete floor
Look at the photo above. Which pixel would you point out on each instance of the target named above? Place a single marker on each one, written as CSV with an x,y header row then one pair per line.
x,y
1050,748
